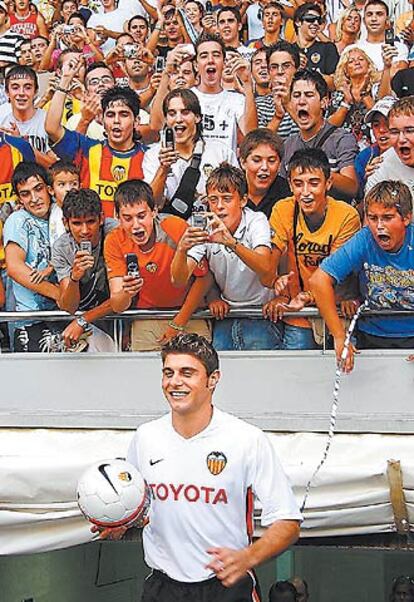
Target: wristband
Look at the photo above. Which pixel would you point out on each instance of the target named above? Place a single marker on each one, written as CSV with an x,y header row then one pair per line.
x,y
59,89
158,28
175,326
233,246
72,278
345,105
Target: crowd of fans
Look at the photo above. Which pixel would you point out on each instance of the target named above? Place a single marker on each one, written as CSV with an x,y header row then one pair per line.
x,y
296,589
185,154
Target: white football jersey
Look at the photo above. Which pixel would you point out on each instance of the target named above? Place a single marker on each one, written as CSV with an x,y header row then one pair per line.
x,y
202,491
221,114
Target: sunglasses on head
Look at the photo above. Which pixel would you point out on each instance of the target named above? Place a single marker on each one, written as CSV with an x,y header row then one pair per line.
x,y
312,19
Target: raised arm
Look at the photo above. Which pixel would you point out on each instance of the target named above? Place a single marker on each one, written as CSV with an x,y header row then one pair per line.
x,y
54,115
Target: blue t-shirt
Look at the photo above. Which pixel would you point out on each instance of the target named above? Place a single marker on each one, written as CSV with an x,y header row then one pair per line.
x,y
32,235
386,280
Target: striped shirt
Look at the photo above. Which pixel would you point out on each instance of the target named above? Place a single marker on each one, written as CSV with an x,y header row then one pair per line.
x,y
265,109
9,47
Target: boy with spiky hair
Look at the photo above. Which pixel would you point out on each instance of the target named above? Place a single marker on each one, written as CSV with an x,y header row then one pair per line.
x,y
237,248
153,240
103,165
382,254
78,259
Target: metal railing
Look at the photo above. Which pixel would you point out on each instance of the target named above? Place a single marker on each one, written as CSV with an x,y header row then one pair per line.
x,y
166,314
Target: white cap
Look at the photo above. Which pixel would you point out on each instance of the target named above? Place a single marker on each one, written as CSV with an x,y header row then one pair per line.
x,y
382,106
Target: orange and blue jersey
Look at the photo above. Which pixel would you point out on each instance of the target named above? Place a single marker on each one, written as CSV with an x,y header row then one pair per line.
x,y
13,150
102,168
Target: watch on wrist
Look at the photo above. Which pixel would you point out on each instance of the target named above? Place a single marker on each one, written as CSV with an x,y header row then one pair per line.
x,y
84,324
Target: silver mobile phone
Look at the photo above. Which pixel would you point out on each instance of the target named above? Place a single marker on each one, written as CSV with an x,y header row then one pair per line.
x,y
86,245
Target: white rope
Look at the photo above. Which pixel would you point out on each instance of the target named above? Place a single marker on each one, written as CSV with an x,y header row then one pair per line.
x,y
335,403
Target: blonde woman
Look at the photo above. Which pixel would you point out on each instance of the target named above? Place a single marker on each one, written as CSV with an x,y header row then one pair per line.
x,y
347,29
358,84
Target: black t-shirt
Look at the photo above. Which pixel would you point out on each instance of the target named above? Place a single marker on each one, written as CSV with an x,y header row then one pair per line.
x,y
278,190
322,56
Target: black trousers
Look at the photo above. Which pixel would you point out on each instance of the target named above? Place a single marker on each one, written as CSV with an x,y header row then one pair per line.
x,y
41,337
159,587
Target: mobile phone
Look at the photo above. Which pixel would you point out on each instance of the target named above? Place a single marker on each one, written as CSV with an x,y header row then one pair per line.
x,y
389,36
168,138
159,64
130,51
86,245
209,8
198,220
132,265
68,29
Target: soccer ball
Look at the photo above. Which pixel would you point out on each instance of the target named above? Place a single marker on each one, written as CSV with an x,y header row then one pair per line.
x,y
112,493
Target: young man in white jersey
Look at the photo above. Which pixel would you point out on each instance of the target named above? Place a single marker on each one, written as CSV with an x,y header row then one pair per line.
x,y
223,110
203,467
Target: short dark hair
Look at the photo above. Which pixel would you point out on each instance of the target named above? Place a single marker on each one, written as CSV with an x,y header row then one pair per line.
x,y
272,4
283,46
314,77
260,136
190,101
19,71
63,166
40,38
97,65
25,170
78,15
307,159
226,178
301,11
136,18
125,94
195,345
81,203
380,2
390,193
133,192
282,587
210,37
230,9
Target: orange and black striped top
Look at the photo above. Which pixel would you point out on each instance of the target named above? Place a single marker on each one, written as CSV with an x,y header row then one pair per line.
x,y
102,168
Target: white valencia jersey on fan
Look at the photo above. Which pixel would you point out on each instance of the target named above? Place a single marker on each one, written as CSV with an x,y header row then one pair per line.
x,y
221,114
202,491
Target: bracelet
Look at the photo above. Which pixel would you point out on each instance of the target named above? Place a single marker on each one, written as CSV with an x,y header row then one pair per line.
x,y
233,247
72,278
310,297
175,326
59,89
345,105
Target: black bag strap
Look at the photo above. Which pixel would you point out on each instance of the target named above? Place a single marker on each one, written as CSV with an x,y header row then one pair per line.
x,y
327,133
183,200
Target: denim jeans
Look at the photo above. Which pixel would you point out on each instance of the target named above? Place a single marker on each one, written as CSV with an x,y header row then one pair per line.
x,y
295,337
247,334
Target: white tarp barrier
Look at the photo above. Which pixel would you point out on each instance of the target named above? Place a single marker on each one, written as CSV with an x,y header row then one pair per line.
x,y
39,470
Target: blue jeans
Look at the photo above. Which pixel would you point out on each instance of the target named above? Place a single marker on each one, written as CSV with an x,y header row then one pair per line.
x,y
295,337
247,334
